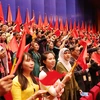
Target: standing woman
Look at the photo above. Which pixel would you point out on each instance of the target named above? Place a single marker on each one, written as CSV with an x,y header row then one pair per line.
x,y
50,46
24,85
36,56
63,66
55,90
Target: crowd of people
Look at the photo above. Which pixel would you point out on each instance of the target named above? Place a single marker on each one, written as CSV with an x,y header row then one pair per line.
x,y
47,52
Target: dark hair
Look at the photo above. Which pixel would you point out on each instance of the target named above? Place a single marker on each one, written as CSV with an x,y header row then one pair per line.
x,y
55,42
5,38
72,48
21,78
28,39
33,42
44,57
15,33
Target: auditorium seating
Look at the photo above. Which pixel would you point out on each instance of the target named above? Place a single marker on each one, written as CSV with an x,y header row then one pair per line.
x,y
95,91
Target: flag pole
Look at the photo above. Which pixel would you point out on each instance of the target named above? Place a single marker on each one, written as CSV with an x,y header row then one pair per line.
x,y
73,67
67,76
15,59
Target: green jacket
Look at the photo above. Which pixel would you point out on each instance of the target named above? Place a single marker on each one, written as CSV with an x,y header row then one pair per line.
x,y
71,87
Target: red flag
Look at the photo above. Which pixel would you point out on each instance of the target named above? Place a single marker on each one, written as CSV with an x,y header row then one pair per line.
x,y
40,23
50,28
89,28
57,33
88,36
1,13
74,26
13,45
8,96
81,34
26,48
82,26
27,17
95,43
17,28
18,18
45,21
9,18
70,27
49,80
93,29
56,23
83,43
81,59
66,25
85,26
21,46
51,22
78,25
88,42
26,29
20,52
75,34
32,20
96,57
61,24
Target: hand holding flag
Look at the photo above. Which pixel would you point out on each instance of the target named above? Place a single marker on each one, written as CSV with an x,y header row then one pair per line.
x,y
49,79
